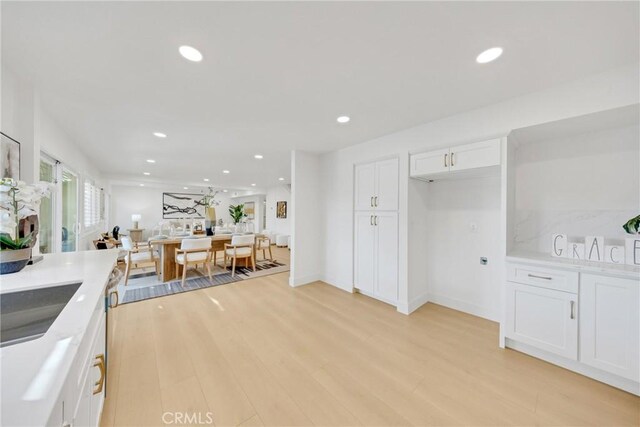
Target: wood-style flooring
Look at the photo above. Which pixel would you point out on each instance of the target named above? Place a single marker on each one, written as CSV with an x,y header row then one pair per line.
x,y
258,352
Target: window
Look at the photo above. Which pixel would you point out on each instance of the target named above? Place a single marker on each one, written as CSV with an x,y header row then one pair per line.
x,y
93,201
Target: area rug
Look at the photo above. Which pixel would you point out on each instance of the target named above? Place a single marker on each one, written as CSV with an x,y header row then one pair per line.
x,y
175,287
144,285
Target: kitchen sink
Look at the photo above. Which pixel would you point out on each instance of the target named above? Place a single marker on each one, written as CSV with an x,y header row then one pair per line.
x,y
27,315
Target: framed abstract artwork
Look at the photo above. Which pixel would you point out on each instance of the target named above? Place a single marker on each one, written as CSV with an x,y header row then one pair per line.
x,y
250,210
10,160
182,205
281,209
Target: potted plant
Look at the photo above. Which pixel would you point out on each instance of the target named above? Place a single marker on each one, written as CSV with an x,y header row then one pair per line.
x,y
237,213
632,226
18,201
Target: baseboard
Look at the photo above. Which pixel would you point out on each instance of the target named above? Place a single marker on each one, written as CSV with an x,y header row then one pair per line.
x,y
575,366
414,304
463,306
347,287
304,280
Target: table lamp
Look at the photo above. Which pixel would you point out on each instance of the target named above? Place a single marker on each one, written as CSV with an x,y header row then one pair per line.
x,y
135,218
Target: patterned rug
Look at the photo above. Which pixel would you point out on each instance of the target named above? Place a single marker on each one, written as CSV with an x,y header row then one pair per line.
x,y
164,289
133,293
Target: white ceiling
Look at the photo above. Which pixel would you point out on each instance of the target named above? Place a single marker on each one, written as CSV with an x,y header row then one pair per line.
x,y
276,75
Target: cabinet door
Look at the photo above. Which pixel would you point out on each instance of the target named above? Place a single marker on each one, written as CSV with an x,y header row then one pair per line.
x,y
543,318
432,162
364,250
476,155
609,318
386,196
365,186
386,225
99,349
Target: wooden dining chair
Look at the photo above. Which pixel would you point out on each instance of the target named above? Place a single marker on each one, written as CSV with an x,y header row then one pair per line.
x,y
138,255
193,252
241,247
263,244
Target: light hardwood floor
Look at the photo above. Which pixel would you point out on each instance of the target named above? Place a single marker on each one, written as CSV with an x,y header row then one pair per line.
x,y
258,352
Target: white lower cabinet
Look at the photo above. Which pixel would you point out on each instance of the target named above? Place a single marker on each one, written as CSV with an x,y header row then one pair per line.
x,y
543,318
591,320
376,254
609,324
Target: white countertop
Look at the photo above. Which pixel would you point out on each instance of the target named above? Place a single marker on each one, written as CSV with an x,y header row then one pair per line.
x,y
620,270
34,372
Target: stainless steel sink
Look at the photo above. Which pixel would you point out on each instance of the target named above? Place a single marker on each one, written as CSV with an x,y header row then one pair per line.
x,y
27,315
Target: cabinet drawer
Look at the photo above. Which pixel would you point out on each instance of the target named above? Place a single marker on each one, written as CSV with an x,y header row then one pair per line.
x,y
543,277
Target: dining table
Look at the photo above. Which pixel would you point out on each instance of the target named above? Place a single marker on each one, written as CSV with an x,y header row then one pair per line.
x,y
166,248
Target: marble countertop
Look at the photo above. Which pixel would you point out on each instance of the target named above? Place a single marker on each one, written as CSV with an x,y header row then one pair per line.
x,y
620,270
34,372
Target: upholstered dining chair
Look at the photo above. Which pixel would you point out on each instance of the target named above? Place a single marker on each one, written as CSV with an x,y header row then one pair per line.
x,y
241,247
138,255
264,244
193,251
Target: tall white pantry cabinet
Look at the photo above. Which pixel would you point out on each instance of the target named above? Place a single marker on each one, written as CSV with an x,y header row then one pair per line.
x,y
376,229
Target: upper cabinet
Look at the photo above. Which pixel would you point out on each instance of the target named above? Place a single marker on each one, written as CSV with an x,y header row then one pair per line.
x,y
443,162
376,186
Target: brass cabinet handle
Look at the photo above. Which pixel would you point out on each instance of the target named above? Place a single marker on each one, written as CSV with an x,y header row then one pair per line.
x,y
445,160
573,310
117,299
452,164
101,365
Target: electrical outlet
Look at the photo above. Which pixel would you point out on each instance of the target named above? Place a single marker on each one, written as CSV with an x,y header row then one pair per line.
x,y
483,260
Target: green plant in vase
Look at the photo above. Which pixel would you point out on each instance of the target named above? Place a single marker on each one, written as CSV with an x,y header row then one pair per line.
x,y
237,213
18,201
632,226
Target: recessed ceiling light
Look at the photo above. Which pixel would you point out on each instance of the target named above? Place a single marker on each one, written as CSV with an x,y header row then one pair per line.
x,y
160,134
141,185
253,185
343,119
225,171
146,173
186,188
206,180
224,191
150,161
190,53
280,179
489,55
258,156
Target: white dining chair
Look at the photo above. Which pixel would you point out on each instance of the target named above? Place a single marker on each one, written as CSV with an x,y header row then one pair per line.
x,y
193,251
241,247
138,255
264,244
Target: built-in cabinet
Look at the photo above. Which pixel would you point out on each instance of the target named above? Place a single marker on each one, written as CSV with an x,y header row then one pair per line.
x,y
610,324
376,229
465,157
592,321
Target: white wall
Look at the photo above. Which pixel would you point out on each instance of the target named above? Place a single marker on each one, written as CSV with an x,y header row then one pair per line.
x,y
281,193
306,218
25,119
611,89
147,201
259,203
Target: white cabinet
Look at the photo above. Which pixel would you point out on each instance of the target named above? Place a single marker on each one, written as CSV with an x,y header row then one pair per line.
x,y
364,253
544,318
477,155
376,230
609,324
444,162
376,255
376,185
